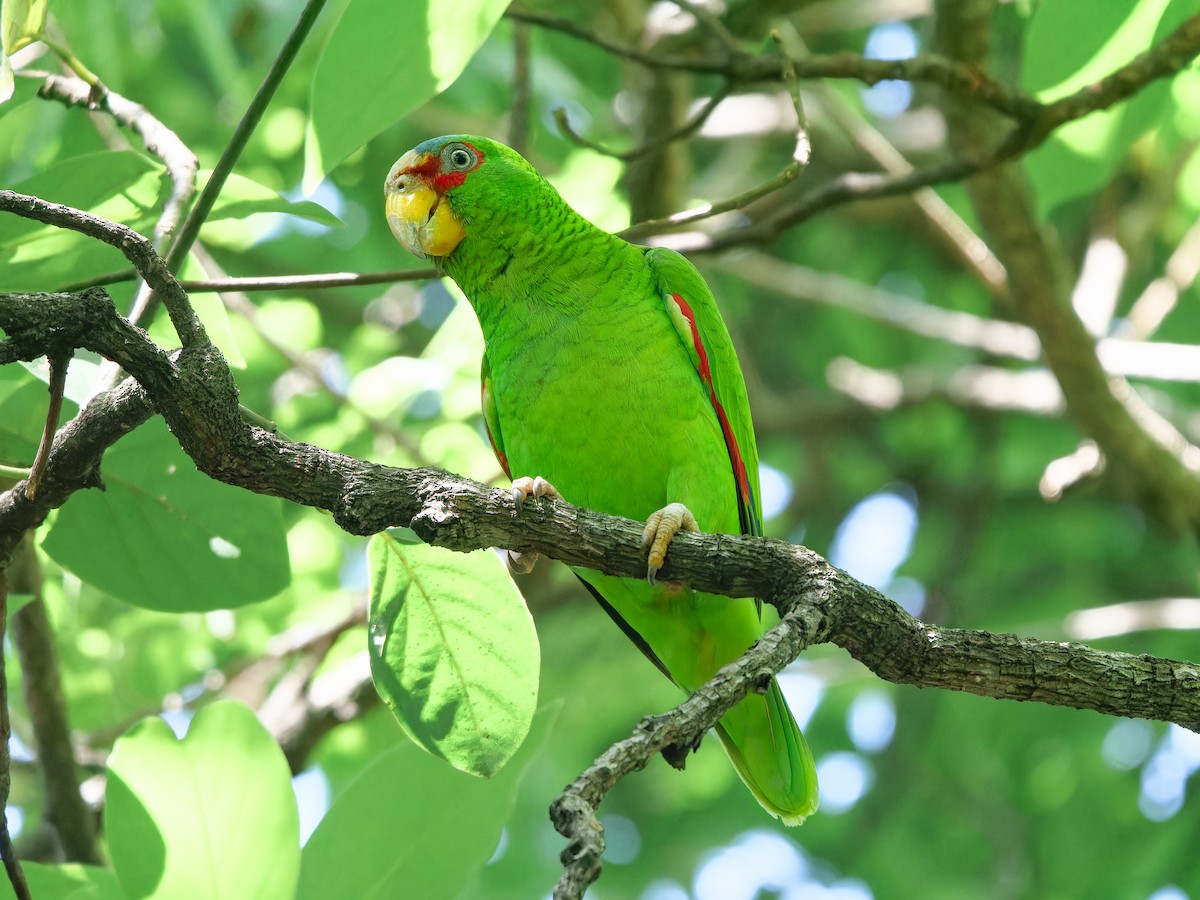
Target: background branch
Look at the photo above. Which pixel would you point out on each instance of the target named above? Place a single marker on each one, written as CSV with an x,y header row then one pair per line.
x,y
1156,459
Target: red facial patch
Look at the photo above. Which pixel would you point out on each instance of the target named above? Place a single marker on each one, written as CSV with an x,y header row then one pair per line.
x,y
430,170
426,168
443,181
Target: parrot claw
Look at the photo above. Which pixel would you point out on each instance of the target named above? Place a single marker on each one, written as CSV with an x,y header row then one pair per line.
x,y
521,563
537,486
522,489
660,528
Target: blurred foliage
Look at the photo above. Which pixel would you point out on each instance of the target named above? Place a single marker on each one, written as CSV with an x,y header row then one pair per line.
x,y
927,794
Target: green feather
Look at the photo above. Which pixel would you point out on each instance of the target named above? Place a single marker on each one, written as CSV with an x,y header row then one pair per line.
x,y
594,379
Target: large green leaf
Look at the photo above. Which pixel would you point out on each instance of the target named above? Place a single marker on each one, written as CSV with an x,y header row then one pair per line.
x,y
23,401
211,817
84,182
20,23
164,536
382,61
1071,45
453,651
67,882
429,808
241,197
123,186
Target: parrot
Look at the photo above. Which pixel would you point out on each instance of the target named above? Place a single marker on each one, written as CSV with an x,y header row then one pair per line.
x,y
609,379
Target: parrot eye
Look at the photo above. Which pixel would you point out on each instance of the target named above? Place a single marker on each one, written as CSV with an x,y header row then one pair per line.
x,y
459,157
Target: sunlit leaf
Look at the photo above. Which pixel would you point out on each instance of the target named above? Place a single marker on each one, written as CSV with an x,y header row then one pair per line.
x,y
211,817
1071,45
407,788
453,651
164,536
241,197
382,62
69,881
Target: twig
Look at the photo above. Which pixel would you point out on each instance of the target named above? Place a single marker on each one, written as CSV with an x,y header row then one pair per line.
x,y
846,188
1165,59
689,128
270,282
136,249
739,66
972,250
187,235
789,174
574,811
58,361
33,637
12,866
518,113
159,140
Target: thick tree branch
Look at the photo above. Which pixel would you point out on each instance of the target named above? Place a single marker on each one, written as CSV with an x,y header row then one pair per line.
x,y
818,602
201,409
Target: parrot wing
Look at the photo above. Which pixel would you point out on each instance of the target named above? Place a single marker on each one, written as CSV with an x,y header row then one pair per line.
x,y
693,311
491,418
491,421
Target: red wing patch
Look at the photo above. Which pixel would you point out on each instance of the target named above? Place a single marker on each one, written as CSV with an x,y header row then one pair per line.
x,y
484,389
746,503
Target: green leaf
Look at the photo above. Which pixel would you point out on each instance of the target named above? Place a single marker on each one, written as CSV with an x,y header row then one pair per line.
x,y
22,22
84,182
211,817
164,536
453,651
442,826
70,881
123,186
23,401
1071,45
242,197
383,61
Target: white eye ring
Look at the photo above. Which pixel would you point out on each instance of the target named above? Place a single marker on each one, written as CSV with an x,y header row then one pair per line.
x,y
459,157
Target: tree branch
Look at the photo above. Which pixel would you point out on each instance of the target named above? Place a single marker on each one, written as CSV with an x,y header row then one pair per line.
x,y
73,823
1149,452
159,140
459,514
818,602
136,249
12,866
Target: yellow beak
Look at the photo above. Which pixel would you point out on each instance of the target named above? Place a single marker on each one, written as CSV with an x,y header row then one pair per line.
x,y
416,214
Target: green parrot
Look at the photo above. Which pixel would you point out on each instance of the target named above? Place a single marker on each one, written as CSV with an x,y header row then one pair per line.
x,y
609,377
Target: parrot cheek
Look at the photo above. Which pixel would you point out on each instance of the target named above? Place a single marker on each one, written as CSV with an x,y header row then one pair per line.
x,y
422,224
407,215
442,232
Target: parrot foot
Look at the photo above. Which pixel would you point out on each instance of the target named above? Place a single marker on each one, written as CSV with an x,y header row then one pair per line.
x,y
537,486
522,489
660,528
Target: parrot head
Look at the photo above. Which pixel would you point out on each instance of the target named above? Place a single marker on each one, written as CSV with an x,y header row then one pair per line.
x,y
430,187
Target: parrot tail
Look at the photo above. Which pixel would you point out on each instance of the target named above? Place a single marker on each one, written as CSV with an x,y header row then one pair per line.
x,y
770,754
